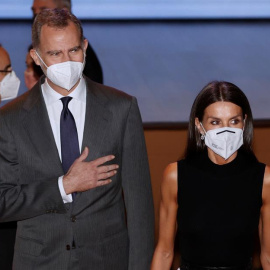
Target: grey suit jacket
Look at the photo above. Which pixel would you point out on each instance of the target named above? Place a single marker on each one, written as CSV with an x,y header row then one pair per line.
x,y
113,225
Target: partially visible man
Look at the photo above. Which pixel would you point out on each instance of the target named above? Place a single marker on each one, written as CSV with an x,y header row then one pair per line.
x,y
9,82
92,213
7,230
92,67
39,5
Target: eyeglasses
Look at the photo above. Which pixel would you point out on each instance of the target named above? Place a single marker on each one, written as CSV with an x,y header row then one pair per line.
x,y
7,69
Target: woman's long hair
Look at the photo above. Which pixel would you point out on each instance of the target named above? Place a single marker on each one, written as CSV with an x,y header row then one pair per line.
x,y
213,92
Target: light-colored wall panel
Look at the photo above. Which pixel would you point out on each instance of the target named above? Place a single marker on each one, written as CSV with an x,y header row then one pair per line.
x,y
150,9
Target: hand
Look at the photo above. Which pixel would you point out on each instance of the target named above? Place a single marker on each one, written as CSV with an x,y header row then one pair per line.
x,y
84,175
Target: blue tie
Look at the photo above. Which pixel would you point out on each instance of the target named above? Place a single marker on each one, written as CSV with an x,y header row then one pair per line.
x,y
69,137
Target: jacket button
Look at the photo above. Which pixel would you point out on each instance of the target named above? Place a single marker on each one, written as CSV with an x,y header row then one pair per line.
x,y
67,247
73,218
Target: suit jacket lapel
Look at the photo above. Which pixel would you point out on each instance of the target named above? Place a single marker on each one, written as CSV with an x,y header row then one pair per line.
x,y
37,124
97,118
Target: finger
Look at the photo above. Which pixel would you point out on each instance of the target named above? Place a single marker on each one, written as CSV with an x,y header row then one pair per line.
x,y
102,160
107,168
84,154
106,175
103,182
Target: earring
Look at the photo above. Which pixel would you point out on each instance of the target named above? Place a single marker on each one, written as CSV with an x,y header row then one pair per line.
x,y
202,137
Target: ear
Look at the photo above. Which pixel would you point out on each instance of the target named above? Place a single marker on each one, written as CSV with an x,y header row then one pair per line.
x,y
198,126
85,45
35,57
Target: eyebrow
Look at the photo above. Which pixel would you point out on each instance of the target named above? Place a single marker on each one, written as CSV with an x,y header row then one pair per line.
x,y
75,48
53,51
58,51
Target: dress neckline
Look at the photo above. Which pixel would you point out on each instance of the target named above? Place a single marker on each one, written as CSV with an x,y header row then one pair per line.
x,y
237,165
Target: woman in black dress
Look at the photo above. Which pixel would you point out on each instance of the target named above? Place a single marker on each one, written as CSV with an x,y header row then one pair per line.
x,y
219,195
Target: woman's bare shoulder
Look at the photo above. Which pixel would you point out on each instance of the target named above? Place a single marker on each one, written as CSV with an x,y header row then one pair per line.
x,y
169,181
266,186
170,172
266,179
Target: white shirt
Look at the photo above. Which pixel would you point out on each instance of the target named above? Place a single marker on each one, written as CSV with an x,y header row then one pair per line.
x,y
54,106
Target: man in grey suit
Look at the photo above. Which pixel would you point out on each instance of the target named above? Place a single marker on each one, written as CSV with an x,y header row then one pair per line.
x,y
98,213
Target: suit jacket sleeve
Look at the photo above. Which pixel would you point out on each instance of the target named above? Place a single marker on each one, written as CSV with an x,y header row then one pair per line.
x,y
19,201
137,192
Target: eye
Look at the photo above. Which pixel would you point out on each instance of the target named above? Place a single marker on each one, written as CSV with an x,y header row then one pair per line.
x,y
235,121
54,53
74,50
215,122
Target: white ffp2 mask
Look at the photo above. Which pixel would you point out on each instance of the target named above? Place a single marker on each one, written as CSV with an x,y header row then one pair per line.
x,y
65,74
9,86
224,141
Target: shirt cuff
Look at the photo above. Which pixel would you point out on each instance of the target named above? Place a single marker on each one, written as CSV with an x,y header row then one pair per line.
x,y
66,198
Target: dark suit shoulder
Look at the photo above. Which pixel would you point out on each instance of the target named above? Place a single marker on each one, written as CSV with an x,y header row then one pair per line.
x,y
14,105
111,94
24,101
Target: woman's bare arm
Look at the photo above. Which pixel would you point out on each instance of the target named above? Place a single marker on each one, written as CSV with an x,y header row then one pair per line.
x,y
264,227
163,255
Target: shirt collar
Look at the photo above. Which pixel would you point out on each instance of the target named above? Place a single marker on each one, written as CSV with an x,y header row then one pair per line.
x,y
51,96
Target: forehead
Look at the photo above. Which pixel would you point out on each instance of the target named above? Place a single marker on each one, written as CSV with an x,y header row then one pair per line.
x,y
52,38
222,110
44,4
4,58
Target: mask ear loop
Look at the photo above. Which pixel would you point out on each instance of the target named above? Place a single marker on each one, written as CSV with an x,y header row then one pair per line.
x,y
202,135
40,59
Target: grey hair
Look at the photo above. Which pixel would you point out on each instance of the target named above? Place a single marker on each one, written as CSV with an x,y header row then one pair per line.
x,y
56,18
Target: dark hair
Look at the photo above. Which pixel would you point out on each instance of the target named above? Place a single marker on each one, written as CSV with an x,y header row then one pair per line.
x,y
56,18
63,4
213,92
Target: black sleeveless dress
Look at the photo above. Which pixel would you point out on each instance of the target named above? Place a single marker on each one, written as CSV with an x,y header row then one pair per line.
x,y
218,210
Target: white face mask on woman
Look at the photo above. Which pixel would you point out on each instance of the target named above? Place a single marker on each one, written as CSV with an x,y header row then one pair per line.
x,y
65,74
9,86
224,141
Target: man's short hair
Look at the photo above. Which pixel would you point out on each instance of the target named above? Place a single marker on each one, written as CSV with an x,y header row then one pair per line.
x,y
56,18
